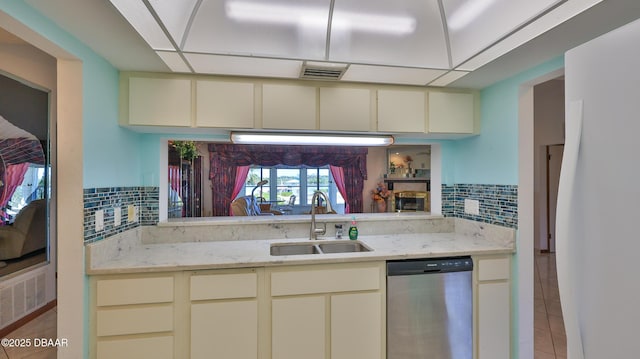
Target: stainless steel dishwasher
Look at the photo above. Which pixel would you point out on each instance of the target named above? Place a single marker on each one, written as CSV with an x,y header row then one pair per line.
x,y
430,309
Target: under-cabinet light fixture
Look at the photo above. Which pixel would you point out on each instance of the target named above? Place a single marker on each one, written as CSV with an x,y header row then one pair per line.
x,y
268,138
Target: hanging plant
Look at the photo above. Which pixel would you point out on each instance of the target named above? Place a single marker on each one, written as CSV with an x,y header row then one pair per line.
x,y
186,149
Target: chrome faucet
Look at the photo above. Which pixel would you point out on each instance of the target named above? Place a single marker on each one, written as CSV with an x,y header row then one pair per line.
x,y
313,233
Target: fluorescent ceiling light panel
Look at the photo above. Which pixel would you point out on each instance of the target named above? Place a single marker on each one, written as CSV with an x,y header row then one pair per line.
x,y
385,24
468,12
277,14
141,19
174,61
309,139
306,16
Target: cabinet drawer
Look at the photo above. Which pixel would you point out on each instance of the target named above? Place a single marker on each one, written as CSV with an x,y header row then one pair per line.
x,y
134,291
224,286
157,348
134,320
325,281
494,269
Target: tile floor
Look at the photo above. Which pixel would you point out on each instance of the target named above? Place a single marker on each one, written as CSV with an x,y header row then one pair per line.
x,y
549,337
550,340
43,326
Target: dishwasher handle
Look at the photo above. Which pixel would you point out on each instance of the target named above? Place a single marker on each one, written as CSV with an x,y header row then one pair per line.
x,y
429,266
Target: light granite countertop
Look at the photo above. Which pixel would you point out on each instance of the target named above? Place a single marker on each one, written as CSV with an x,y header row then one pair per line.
x,y
129,254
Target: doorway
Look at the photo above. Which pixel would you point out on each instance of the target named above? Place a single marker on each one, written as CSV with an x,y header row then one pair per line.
x,y
554,164
548,125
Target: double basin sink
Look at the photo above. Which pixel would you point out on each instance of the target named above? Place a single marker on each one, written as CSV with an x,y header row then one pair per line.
x,y
348,246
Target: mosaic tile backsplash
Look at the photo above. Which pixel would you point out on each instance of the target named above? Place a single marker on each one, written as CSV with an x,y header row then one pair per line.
x,y
498,203
146,199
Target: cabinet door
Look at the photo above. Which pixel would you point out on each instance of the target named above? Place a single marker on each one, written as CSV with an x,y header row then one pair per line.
x,y
344,109
356,326
159,102
401,111
289,107
298,328
224,329
451,112
133,348
224,104
494,325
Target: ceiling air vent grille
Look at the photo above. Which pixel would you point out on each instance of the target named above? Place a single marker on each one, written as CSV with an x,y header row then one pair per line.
x,y
323,71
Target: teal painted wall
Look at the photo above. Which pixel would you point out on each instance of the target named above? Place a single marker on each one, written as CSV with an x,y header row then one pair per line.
x,y
110,156
492,157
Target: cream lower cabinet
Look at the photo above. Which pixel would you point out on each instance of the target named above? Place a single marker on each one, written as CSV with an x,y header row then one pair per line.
x,y
224,314
328,311
133,317
493,314
311,311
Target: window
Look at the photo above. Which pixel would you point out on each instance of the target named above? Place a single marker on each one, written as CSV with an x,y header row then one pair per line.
x,y
284,181
31,188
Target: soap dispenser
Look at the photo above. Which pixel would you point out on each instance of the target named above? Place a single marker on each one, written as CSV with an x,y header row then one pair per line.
x,y
353,230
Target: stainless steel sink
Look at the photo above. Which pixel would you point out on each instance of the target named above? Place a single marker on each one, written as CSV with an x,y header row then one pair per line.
x,y
344,247
287,249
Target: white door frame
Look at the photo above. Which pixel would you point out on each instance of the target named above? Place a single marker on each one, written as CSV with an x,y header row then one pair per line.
x,y
525,240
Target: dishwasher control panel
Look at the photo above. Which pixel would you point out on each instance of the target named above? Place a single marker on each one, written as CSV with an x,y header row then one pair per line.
x,y
431,265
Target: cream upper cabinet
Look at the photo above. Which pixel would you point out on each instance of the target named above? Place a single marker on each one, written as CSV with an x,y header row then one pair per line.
x,y
493,313
345,109
224,104
289,107
159,102
451,113
185,101
401,111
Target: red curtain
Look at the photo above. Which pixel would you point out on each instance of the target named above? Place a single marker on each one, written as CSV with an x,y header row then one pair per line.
x,y
338,177
174,178
13,177
226,157
241,178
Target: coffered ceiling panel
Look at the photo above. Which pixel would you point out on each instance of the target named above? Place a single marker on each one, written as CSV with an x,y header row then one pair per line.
x,y
474,25
286,28
414,42
175,16
400,32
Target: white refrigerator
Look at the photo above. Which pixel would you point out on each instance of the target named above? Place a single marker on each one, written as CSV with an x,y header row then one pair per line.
x,y
598,219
